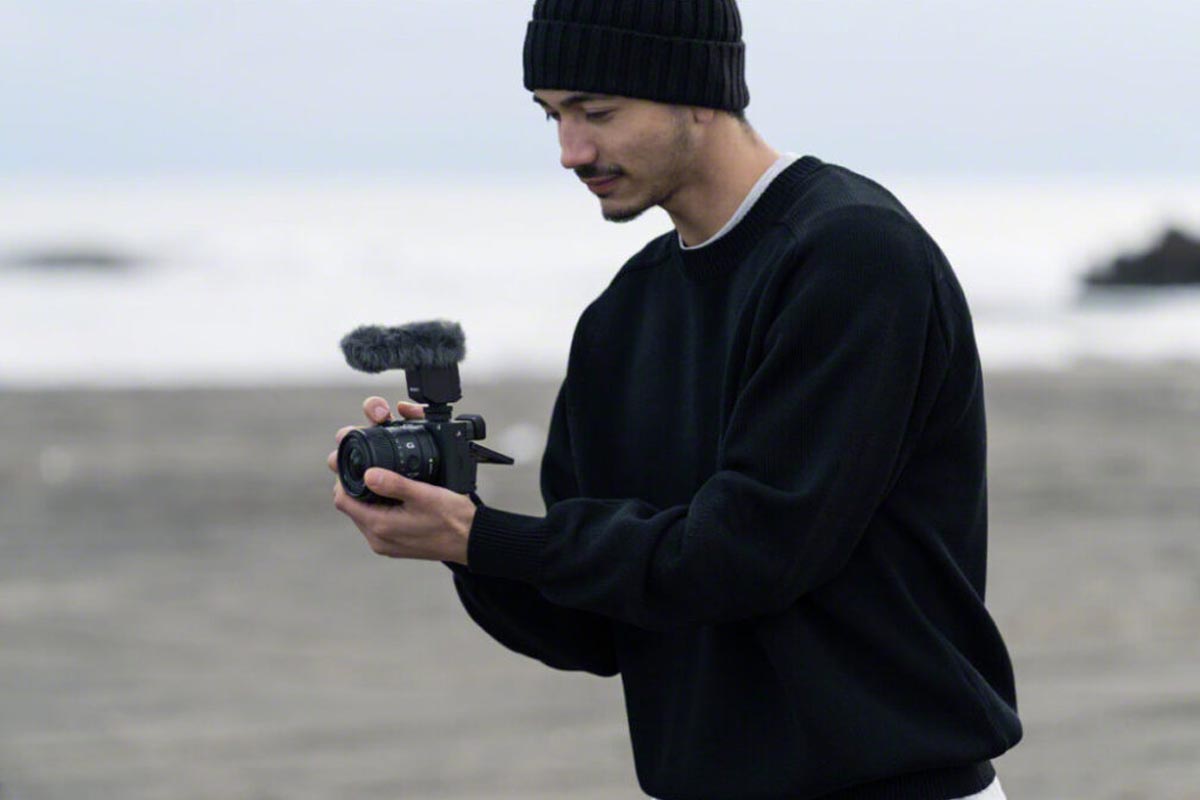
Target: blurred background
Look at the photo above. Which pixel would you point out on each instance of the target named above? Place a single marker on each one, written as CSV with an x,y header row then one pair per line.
x,y
198,199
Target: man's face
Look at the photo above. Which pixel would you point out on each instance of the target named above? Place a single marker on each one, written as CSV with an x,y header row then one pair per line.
x,y
632,154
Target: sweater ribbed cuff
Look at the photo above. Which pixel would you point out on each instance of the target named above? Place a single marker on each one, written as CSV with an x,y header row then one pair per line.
x,y
506,545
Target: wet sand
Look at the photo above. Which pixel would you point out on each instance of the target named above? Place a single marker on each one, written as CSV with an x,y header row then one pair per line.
x,y
184,615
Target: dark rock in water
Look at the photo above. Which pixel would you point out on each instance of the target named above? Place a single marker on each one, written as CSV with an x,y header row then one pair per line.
x,y
69,258
1174,261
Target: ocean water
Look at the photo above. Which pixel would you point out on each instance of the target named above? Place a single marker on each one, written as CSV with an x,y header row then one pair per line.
x,y
239,281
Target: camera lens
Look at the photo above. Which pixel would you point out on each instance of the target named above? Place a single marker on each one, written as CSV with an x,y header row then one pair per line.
x,y
355,465
406,448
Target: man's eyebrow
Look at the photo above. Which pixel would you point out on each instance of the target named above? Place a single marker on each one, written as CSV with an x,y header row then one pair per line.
x,y
572,99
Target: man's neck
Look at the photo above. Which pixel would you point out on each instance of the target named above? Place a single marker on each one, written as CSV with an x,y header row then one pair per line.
x,y
732,161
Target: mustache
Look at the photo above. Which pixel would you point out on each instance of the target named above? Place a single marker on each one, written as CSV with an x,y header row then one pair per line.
x,y
597,171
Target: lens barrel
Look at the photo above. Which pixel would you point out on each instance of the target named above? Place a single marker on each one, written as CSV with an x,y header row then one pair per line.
x,y
403,447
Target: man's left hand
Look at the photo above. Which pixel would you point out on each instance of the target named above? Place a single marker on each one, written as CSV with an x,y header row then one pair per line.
x,y
432,523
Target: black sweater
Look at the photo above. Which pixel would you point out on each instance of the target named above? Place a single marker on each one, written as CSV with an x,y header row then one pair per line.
x,y
766,509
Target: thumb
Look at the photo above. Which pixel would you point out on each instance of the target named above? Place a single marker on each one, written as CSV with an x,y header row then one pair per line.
x,y
390,484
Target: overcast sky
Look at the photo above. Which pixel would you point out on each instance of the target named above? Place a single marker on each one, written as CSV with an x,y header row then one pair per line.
x,y
135,87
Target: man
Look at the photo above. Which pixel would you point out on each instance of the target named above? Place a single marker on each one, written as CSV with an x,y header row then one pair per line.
x,y
764,477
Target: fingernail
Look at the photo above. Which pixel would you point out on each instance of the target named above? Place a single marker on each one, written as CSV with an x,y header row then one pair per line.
x,y
379,413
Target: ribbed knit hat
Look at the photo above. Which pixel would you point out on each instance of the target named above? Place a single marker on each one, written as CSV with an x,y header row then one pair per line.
x,y
685,52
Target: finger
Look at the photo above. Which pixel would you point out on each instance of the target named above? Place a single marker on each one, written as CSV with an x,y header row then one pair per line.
x,y
332,461
393,485
362,513
376,409
337,437
342,501
410,410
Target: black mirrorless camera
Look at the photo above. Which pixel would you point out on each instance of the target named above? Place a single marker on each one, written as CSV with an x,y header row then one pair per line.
x,y
437,450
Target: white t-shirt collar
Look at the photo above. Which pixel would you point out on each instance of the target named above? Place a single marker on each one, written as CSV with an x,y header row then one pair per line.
x,y
782,163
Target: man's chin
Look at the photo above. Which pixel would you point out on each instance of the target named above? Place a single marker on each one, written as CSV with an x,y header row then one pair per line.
x,y
619,213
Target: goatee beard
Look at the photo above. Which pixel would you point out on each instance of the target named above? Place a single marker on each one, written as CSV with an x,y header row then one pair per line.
x,y
630,214
624,215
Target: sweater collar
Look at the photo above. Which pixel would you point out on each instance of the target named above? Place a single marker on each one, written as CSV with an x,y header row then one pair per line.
x,y
724,254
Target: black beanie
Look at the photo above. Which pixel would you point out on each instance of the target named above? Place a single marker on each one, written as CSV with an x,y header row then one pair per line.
x,y
684,52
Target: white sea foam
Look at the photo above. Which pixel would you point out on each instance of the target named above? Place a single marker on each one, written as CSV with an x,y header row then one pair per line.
x,y
249,281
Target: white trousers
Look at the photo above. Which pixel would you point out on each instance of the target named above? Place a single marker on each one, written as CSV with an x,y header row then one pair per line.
x,y
992,792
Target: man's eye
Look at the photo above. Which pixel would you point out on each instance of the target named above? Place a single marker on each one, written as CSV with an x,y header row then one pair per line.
x,y
597,116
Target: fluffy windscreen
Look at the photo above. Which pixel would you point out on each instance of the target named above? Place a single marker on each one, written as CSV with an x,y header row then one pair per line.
x,y
373,348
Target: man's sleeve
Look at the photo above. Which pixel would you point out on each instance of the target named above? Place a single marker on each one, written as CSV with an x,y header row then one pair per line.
x,y
516,614
810,450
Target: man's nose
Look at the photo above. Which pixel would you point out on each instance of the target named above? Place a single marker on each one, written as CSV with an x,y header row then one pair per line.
x,y
578,150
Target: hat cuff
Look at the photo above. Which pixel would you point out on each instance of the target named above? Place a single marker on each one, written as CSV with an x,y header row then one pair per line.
x,y
594,58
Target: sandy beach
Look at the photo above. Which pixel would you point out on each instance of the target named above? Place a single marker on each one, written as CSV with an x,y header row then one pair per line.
x,y
184,615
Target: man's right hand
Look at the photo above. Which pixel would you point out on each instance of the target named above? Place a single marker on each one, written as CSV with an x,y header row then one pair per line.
x,y
377,412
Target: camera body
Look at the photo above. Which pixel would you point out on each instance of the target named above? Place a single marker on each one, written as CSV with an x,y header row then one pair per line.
x,y
439,452
437,449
